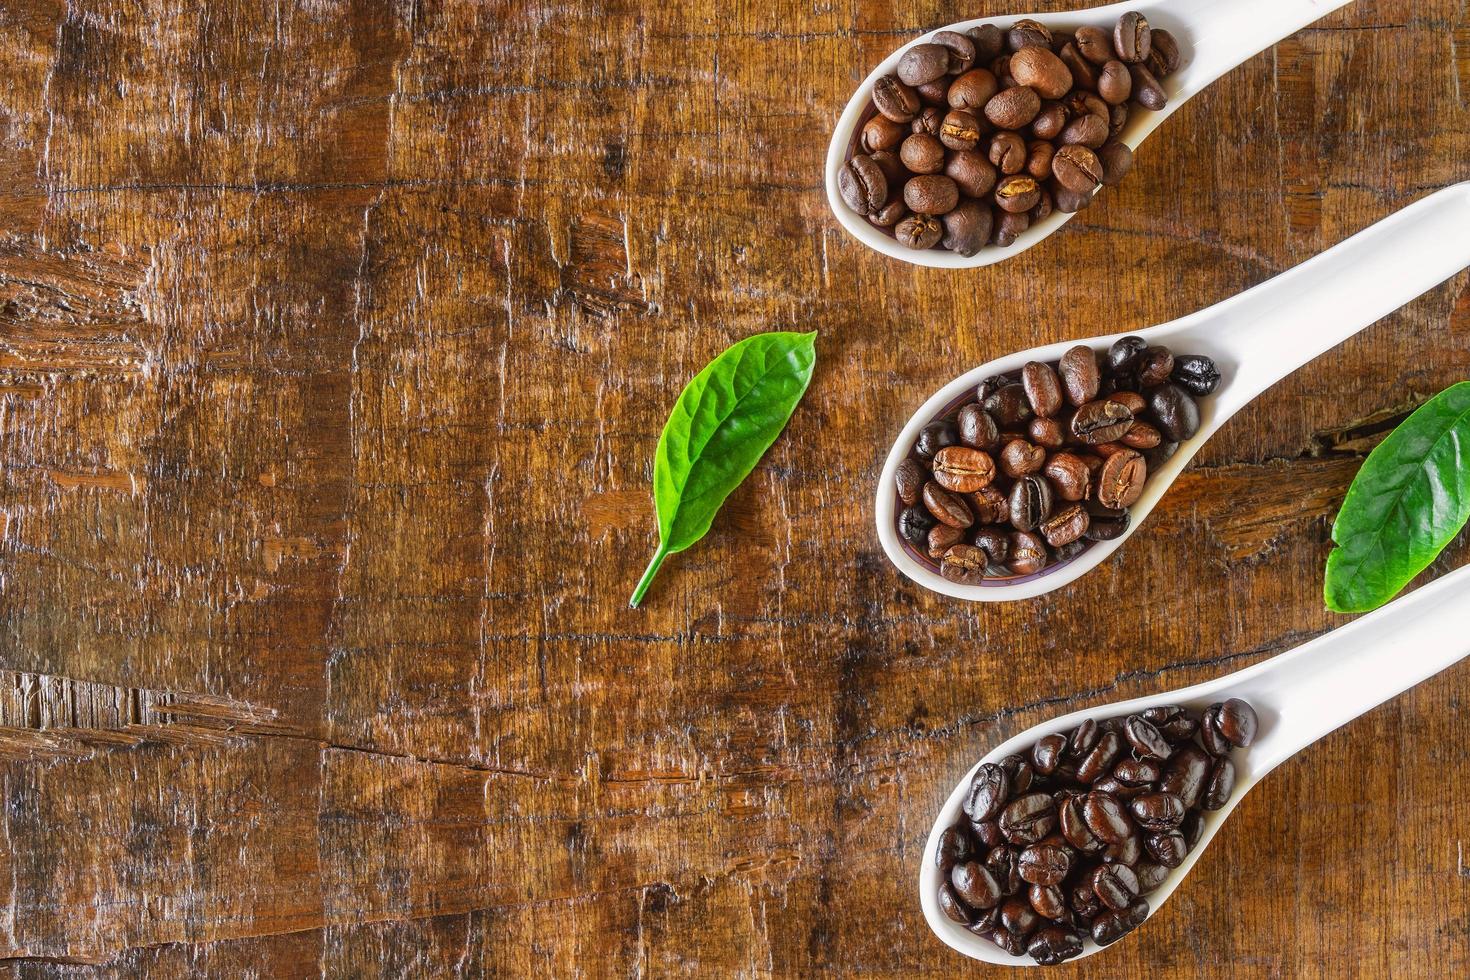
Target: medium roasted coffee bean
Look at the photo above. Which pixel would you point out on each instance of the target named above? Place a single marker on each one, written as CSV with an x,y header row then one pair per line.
x,y
1079,374
1132,37
922,153
935,93
990,506
946,507
894,99
971,172
1114,84
1069,201
1008,152
931,194
972,90
923,63
1013,107
1220,786
934,437
1147,91
1097,763
1038,162
1030,503
1001,69
995,543
952,907
1047,901
914,525
1009,228
1168,849
1237,722
954,846
890,214
1047,752
975,885
1185,773
1150,876
1029,818
1081,104
1155,366
1018,917
1043,388
882,133
1141,435
1017,193
928,122
961,50
1028,553
1105,814
1137,772
1077,168
1008,405
1174,411
977,429
1054,944
1099,422
1132,399
963,564
960,130
1084,72
1090,131
1028,33
942,537
1096,45
1147,741
1068,474
1042,71
1196,374
1047,433
909,480
1120,483
1050,121
919,231
1163,53
1157,812
862,185
1044,864
1019,458
1065,526
1107,528
989,42
967,228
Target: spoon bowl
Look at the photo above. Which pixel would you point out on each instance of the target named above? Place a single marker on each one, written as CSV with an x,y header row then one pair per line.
x,y
1213,38
1255,338
1298,696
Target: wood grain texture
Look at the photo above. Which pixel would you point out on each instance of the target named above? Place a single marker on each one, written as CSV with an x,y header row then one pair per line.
x,y
335,340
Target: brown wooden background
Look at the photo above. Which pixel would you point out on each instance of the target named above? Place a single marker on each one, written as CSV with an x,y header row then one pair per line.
x,y
335,340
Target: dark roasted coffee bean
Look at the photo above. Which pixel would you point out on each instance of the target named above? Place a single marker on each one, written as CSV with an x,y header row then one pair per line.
x,y
1147,741
1209,732
1196,374
1018,917
962,564
1013,108
1107,528
1017,193
1127,853
1018,767
1069,550
1084,738
1151,875
1118,788
1168,849
1090,131
914,525
1077,169
923,63
972,90
910,481
862,184
1132,37
967,228
1220,786
962,469
977,429
990,787
975,885
1028,819
952,907
931,194
928,122
1193,828
1105,814
1043,388
1160,454
1006,940
1100,422
947,508
1030,503
1157,812
1047,900
1110,927
1054,944
1047,752
1001,860
1172,721
1028,33
995,542
894,99
1237,722
919,231
1163,53
987,832
1037,68
1114,84
1185,773
1155,366
922,153
960,130
990,506
1074,827
1141,435
954,847
934,437
1115,885
882,133
1125,353
1100,760
942,537
1137,772
1009,406
1047,433
1007,152
1019,458
1147,91
1065,526
1044,864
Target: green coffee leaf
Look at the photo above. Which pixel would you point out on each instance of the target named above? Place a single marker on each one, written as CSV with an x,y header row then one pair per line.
x,y
721,426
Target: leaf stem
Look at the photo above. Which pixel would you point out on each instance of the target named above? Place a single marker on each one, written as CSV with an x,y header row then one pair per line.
x,y
648,574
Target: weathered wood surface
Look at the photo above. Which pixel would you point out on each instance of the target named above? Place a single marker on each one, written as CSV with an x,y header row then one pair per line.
x,y
334,344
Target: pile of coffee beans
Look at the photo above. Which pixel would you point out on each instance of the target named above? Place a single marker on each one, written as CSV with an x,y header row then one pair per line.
x,y
1044,461
978,135
1066,841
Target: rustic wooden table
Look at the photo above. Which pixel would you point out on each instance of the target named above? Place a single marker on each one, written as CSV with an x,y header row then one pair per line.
x,y
335,340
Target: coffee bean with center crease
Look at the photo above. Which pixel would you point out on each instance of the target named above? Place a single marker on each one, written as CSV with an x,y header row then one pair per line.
x,y
1017,193
963,564
1138,772
989,789
1163,53
1042,387
1029,818
1013,108
990,506
1209,732
1030,502
1074,827
1168,849
1028,553
895,100
967,228
1027,33
954,846
1220,785
1155,366
1174,411
1120,483
919,231
960,130
946,507
1147,741
961,50
1020,458
942,537
910,481
1098,761
862,185
1038,162
1007,152
1116,885
1044,864
1090,131
1106,816
928,122
1196,374
1185,773
1114,84
914,525
989,42
1101,421
1054,944
1069,475
950,904
1010,227
1047,752
1065,526
995,543
1079,374
1237,722
923,63
931,194
1157,812
1077,168
1095,44
1107,528
977,429
1172,721
1132,37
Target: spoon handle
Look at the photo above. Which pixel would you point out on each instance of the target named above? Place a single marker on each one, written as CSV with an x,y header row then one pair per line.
x,y
1326,683
1269,331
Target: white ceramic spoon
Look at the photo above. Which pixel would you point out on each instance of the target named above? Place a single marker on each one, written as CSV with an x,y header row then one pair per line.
x,y
1214,36
1256,338
1299,696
